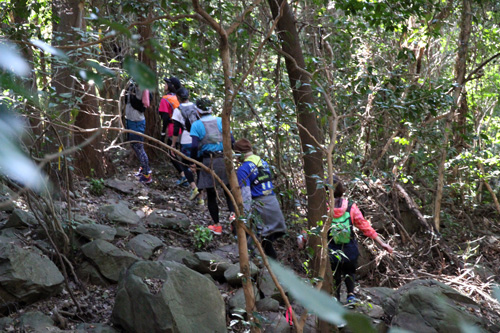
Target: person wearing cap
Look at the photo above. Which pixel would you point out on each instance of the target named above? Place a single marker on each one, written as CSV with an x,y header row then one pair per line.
x,y
206,146
169,102
183,117
255,180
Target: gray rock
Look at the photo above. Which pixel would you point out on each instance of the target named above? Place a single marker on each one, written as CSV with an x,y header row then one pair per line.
x,y
237,301
208,263
36,322
119,213
26,276
94,328
144,245
88,273
108,258
139,229
267,285
164,296
122,232
168,219
122,186
176,254
276,323
6,194
268,304
21,219
96,231
429,306
233,275
6,324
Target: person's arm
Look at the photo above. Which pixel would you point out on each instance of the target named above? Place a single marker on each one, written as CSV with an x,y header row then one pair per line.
x,y
246,191
362,224
177,127
194,147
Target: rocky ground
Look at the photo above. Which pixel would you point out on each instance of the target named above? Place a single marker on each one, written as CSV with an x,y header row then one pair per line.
x,y
91,302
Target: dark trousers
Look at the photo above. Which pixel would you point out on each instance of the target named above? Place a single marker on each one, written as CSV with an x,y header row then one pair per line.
x,y
342,266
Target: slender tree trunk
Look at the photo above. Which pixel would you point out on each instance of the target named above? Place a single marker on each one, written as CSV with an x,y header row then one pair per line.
x,y
460,70
302,94
146,56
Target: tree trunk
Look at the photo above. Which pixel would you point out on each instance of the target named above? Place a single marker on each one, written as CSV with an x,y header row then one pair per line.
x,y
302,94
70,13
146,56
460,70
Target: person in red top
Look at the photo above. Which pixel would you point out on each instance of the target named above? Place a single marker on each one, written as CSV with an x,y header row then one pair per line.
x,y
342,239
168,104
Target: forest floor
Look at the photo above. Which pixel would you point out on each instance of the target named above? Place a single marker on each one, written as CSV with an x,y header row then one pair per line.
x,y
418,258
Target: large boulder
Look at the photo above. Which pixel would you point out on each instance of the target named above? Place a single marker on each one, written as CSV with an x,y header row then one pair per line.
x,y
26,276
168,219
165,296
109,259
120,213
21,219
122,186
96,231
208,263
233,274
144,245
177,254
430,306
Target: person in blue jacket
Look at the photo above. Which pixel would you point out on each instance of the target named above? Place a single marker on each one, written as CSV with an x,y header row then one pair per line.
x,y
206,146
255,180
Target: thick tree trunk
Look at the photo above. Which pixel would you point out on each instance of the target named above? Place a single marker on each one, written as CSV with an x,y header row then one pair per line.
x,y
302,94
70,13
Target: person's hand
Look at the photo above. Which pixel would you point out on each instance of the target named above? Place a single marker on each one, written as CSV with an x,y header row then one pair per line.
x,y
386,247
172,153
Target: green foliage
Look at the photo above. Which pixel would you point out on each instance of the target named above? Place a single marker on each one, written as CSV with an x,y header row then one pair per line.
x,y
96,186
201,236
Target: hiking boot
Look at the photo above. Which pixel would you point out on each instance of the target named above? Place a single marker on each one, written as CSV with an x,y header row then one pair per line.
x,y
216,229
194,193
181,181
146,179
200,202
138,173
352,301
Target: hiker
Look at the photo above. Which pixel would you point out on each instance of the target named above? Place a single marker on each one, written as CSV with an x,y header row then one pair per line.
x,y
341,237
254,178
136,103
184,116
207,145
168,104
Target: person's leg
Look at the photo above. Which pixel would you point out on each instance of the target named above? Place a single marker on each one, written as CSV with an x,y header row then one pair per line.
x,y
213,208
349,269
165,121
267,246
336,264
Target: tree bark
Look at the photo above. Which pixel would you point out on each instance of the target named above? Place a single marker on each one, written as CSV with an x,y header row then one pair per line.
x,y
310,133
460,70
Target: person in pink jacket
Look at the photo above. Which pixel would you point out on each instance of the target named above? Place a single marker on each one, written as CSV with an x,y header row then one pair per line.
x,y
341,239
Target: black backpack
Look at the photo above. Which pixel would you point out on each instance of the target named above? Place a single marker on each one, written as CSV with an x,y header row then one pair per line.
x,y
189,114
133,100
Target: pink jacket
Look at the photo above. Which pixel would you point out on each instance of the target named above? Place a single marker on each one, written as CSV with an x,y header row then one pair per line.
x,y
357,219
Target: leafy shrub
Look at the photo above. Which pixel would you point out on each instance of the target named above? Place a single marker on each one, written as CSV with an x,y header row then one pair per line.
x,y
96,186
201,236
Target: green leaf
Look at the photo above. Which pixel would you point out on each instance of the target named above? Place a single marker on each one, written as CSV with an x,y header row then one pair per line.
x,y
11,60
141,73
324,306
49,49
